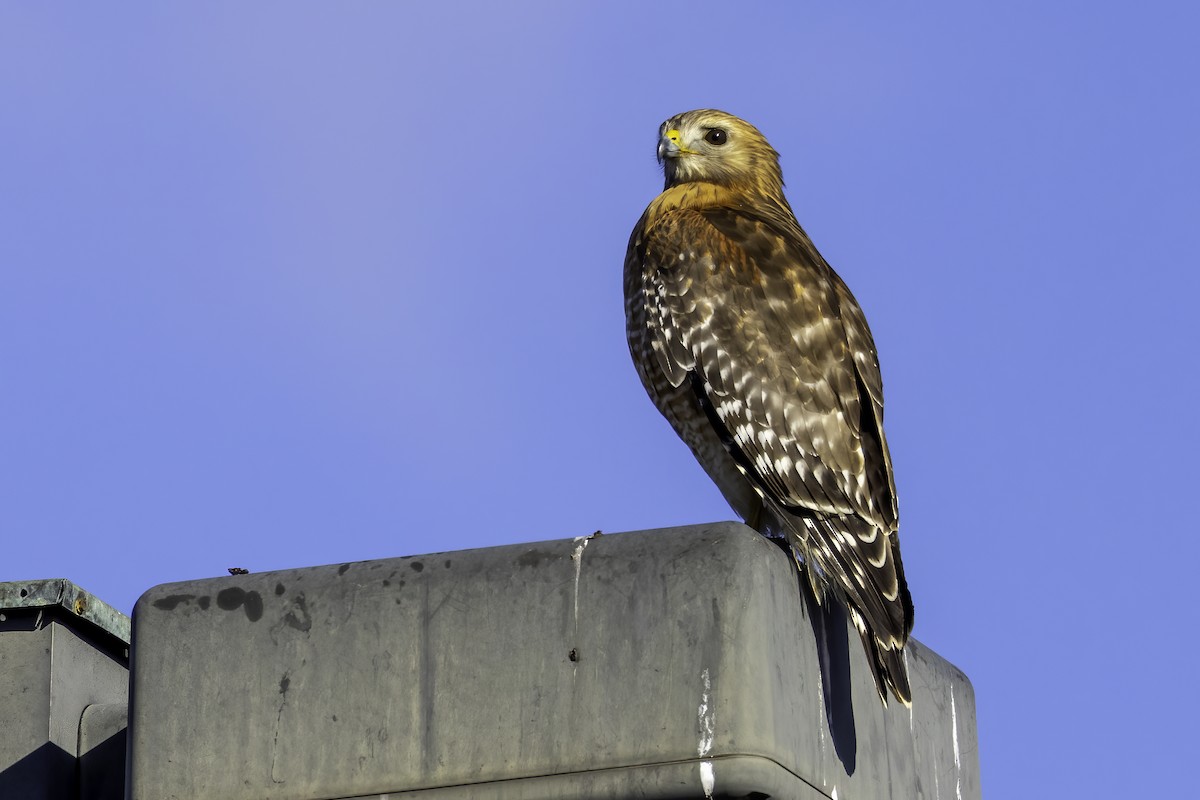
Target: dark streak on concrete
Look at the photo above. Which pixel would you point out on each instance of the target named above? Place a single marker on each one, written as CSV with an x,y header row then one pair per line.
x,y
234,597
301,621
169,602
534,557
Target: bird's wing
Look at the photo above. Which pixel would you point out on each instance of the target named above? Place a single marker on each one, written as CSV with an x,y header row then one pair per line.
x,y
866,365
743,307
754,314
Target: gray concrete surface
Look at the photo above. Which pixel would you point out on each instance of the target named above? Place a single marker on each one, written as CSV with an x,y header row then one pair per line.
x,y
61,653
661,664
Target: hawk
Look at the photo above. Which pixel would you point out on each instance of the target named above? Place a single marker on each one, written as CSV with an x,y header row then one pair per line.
x,y
759,356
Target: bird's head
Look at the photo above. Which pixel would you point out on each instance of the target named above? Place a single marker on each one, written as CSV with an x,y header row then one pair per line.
x,y
715,147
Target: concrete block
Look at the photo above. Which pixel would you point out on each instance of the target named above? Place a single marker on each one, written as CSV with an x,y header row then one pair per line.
x,y
61,652
658,664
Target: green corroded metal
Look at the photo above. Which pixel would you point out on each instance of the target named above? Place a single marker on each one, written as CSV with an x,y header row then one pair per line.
x,y
59,594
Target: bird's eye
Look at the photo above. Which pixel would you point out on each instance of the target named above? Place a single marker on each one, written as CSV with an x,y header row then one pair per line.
x,y
716,136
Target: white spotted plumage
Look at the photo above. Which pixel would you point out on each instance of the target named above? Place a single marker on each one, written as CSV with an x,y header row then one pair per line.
x,y
758,355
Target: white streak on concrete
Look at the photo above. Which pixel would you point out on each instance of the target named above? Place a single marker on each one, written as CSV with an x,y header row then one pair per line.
x,y
834,795
957,762
821,700
904,655
708,778
705,715
581,543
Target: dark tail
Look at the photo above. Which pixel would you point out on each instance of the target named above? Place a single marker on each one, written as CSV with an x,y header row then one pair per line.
x,y
887,666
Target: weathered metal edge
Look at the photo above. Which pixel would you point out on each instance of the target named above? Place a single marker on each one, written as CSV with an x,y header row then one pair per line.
x,y
73,600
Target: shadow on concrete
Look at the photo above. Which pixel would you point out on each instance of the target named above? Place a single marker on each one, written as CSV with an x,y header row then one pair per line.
x,y
50,773
102,769
47,772
833,653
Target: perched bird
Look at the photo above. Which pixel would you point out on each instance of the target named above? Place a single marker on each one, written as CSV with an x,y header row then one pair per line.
x,y
757,354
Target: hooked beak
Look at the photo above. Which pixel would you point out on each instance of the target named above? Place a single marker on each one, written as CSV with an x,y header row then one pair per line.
x,y
670,145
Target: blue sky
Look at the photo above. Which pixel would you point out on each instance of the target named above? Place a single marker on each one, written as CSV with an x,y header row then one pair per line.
x,y
285,284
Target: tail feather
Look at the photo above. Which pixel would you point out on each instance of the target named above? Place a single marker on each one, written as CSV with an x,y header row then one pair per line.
x,y
888,665
884,649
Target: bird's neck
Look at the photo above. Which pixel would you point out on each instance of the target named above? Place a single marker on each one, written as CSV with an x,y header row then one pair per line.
x,y
699,195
